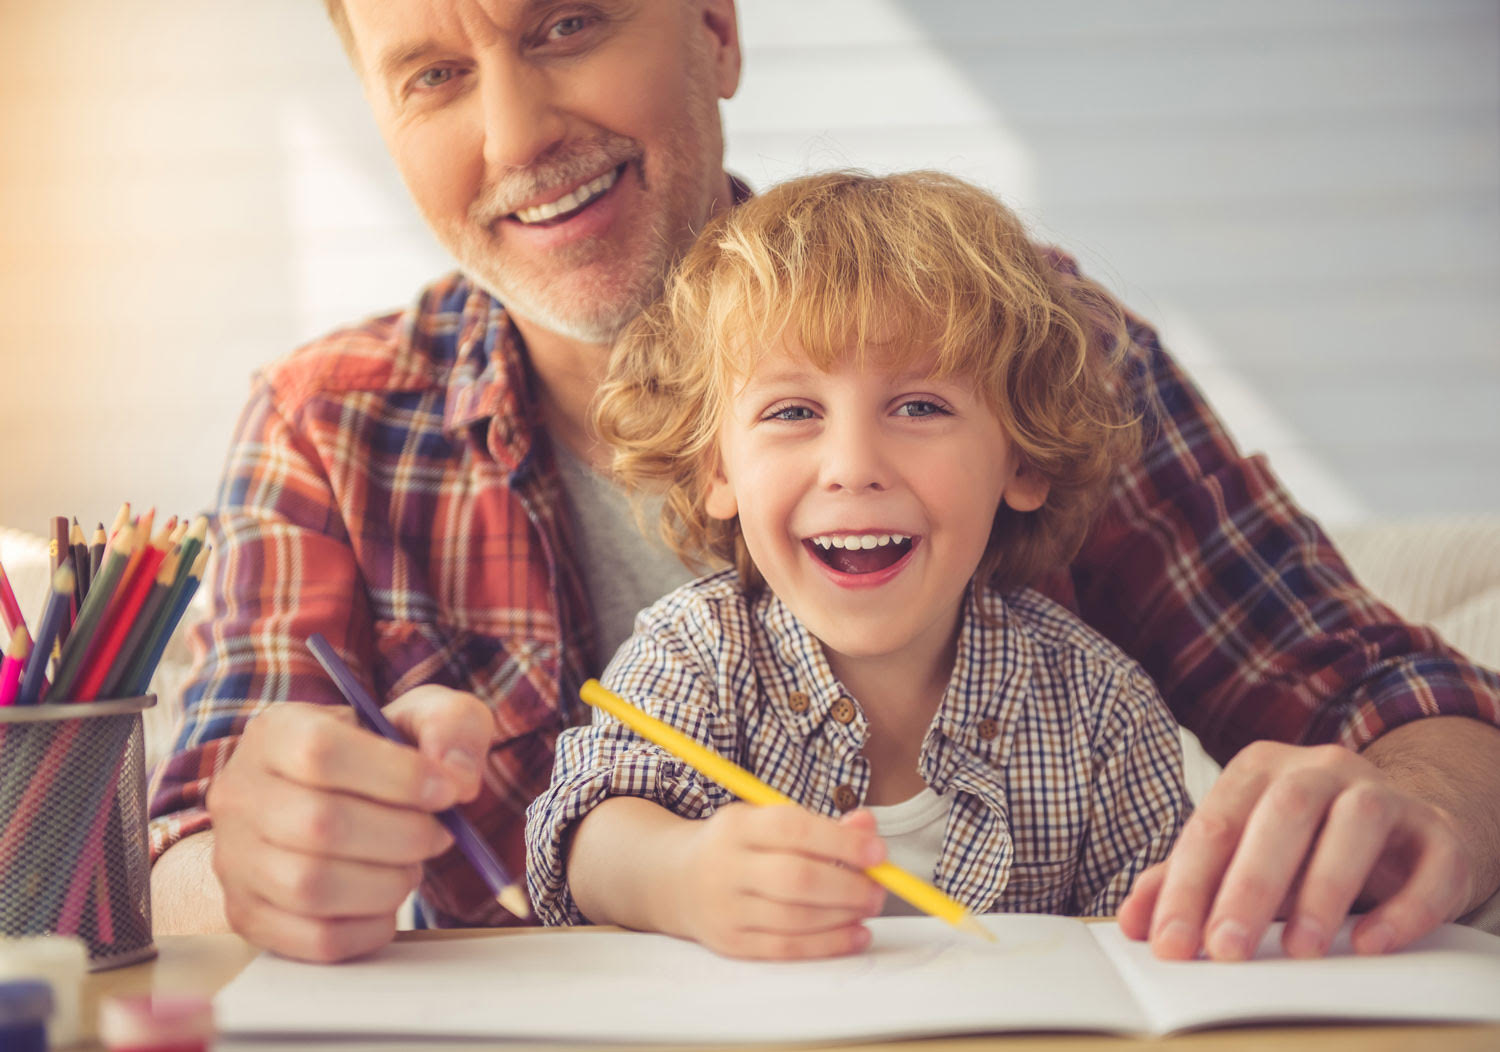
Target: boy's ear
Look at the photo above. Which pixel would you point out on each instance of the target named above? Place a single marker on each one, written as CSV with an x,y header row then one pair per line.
x,y
718,495
1027,489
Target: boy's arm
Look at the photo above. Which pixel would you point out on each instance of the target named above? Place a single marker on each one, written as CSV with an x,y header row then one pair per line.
x,y
1139,800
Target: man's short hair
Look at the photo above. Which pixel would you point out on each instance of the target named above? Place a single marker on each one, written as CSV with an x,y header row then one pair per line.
x,y
340,19
886,271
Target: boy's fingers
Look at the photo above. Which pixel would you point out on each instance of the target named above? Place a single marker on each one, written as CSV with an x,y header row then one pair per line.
x,y
760,945
790,828
324,748
802,880
783,918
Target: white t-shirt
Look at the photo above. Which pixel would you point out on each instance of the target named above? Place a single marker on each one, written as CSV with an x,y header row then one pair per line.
x,y
913,832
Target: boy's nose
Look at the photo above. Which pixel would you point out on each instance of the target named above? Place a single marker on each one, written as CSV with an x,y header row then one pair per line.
x,y
854,459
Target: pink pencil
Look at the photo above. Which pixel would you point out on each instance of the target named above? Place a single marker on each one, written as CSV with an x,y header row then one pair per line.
x,y
10,610
10,668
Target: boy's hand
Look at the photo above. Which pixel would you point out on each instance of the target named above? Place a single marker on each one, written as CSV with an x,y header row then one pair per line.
x,y
320,825
1304,833
780,882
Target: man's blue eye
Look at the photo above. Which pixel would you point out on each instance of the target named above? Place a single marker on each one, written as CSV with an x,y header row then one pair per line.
x,y
434,78
568,26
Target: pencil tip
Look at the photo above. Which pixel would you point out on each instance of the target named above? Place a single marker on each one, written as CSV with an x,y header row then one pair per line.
x,y
970,923
514,899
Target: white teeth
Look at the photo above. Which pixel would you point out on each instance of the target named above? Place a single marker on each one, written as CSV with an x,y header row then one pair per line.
x,y
566,203
858,541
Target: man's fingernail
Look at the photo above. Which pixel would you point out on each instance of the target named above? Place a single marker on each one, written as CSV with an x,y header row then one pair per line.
x,y
1305,937
1229,941
436,791
1377,938
1175,939
461,763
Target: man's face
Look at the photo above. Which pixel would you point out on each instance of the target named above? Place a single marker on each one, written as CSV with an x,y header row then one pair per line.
x,y
565,152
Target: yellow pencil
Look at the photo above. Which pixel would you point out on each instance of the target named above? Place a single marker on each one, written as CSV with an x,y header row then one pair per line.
x,y
752,790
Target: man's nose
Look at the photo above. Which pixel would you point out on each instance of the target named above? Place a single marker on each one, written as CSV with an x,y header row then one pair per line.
x,y
521,121
855,457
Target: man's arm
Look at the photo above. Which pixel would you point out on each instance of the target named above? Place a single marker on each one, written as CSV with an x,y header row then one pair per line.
x,y
186,897
1235,602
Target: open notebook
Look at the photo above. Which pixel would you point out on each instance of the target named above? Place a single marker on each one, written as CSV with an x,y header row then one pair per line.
x,y
919,978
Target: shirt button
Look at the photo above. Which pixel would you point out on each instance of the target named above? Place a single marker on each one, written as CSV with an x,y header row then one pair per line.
x,y
988,730
845,798
797,702
842,710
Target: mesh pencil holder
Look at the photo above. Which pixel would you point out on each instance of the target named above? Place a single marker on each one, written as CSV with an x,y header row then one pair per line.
x,y
73,855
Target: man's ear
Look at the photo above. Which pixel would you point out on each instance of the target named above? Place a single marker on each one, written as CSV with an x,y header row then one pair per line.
x,y
1027,489
718,495
720,20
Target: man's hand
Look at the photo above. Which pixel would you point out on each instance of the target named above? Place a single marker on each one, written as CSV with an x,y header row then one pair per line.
x,y
780,882
321,826
1305,833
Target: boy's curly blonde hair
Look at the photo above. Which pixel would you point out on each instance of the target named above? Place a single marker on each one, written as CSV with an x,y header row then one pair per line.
x,y
885,271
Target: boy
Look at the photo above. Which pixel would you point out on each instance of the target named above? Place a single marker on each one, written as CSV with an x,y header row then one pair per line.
x,y
875,398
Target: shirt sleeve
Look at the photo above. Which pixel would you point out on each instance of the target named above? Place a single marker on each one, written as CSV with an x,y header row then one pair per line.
x,y
1204,570
282,568
663,673
1139,801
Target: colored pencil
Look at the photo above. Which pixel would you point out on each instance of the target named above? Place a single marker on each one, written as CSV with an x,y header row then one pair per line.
x,y
10,667
10,610
752,790
85,633
80,551
130,595
61,551
156,598
97,544
139,678
122,519
507,892
53,615
149,653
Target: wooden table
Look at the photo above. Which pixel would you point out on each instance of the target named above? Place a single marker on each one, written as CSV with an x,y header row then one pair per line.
x,y
202,964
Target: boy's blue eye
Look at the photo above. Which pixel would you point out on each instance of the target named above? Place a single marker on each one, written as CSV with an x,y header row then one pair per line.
x,y
791,412
920,407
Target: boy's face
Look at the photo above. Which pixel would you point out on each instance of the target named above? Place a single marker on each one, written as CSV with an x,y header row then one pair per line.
x,y
866,499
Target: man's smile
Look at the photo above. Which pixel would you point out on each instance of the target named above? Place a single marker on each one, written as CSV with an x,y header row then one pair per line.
x,y
565,206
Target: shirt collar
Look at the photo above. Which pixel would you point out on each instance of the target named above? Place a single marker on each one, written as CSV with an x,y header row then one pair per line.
x,y
991,670
489,380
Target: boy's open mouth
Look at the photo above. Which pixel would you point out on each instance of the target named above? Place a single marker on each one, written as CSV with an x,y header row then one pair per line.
x,y
859,553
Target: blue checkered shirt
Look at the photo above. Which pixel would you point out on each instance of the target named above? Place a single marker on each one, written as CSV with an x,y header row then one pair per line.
x,y
1063,762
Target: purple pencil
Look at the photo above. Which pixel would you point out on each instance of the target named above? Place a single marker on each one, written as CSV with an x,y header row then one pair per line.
x,y
507,892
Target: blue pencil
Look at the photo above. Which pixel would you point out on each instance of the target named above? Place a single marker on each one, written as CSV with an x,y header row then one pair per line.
x,y
507,892
58,601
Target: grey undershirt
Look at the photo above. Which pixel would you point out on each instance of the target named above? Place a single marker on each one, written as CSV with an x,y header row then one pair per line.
x,y
623,570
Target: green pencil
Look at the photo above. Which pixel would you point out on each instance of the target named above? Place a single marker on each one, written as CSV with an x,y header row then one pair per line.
x,y
94,606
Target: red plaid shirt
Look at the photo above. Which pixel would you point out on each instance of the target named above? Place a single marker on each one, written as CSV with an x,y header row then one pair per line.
x,y
388,487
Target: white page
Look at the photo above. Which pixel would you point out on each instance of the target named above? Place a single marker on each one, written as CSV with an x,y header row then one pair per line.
x,y
1451,975
919,977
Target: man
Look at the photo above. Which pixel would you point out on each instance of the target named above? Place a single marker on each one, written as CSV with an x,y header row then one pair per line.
x,y
401,488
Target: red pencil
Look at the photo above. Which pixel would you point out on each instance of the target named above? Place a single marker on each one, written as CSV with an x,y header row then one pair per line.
x,y
122,614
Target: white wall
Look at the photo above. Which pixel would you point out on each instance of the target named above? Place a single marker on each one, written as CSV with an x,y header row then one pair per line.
x,y
1305,193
